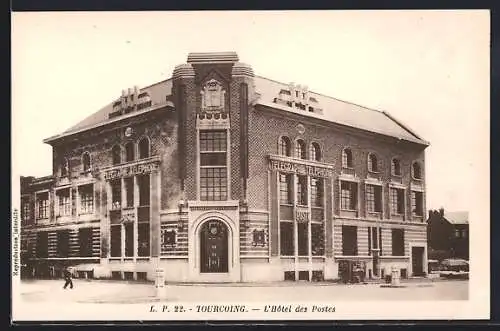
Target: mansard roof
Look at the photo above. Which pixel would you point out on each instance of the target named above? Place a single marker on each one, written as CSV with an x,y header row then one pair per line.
x,y
326,108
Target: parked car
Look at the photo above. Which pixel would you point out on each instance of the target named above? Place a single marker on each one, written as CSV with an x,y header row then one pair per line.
x,y
456,265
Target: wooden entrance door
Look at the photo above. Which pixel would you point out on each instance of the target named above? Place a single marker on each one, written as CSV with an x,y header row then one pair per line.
x,y
214,247
417,260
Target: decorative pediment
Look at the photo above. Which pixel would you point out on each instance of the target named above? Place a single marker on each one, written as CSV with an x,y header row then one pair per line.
x,y
212,96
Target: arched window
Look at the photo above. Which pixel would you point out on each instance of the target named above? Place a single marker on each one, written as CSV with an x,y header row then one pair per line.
x,y
372,162
300,149
284,146
396,167
64,167
116,154
86,161
129,152
347,158
417,171
315,152
144,148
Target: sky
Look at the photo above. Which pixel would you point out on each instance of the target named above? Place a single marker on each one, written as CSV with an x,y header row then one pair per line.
x,y
429,69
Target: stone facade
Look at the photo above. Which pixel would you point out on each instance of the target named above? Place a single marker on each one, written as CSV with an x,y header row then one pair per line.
x,y
214,93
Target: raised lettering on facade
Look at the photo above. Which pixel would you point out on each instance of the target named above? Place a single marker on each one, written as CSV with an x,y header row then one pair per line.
x,y
301,169
136,169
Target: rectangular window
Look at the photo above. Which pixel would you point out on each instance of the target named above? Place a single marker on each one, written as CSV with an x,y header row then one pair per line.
x,y
285,189
303,239
348,195
398,242
144,190
286,239
116,193
86,199
302,190
417,203
397,201
64,202
316,192
129,188
63,243
129,239
42,200
349,240
457,233
116,240
213,165
317,239
26,210
143,239
85,241
42,244
374,198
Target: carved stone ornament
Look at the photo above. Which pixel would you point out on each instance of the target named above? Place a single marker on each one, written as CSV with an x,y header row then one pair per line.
x,y
301,128
212,96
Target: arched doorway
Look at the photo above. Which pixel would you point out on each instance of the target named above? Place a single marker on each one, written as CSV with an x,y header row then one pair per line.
x,y
213,247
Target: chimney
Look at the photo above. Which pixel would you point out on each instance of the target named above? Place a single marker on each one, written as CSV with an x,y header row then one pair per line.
x,y
441,211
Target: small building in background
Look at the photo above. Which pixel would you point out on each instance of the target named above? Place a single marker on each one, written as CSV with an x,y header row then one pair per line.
x,y
448,234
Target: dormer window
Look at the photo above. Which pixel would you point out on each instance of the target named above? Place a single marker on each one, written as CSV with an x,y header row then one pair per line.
x,y
347,158
396,167
86,162
315,152
116,155
417,171
300,149
144,148
372,163
129,152
284,146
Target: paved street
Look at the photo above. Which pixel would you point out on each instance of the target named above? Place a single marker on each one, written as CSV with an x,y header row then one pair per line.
x,y
124,292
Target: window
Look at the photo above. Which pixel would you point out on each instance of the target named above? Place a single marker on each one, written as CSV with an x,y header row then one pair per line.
x,y
398,242
63,243
129,152
143,239
43,205
213,165
116,240
285,189
397,201
417,203
373,239
457,233
129,188
116,154
144,148
86,199
348,195
302,190
396,167
42,244
85,241
284,146
64,202
129,239
372,163
349,240
300,149
86,162
116,193
286,238
417,172
464,233
303,239
144,190
347,158
315,152
64,167
316,192
317,239
169,238
374,198
26,210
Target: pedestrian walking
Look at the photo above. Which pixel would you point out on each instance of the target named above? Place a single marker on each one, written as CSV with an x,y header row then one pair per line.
x,y
67,278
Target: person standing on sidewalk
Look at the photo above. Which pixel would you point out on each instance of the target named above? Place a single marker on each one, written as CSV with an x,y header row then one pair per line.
x,y
67,278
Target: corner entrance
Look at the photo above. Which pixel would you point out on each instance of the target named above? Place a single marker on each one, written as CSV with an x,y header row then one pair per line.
x,y
213,247
417,260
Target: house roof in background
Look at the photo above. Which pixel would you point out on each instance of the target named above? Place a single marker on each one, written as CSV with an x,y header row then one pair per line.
x,y
457,217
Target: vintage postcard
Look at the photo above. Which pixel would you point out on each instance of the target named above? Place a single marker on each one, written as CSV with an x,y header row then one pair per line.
x,y
268,165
